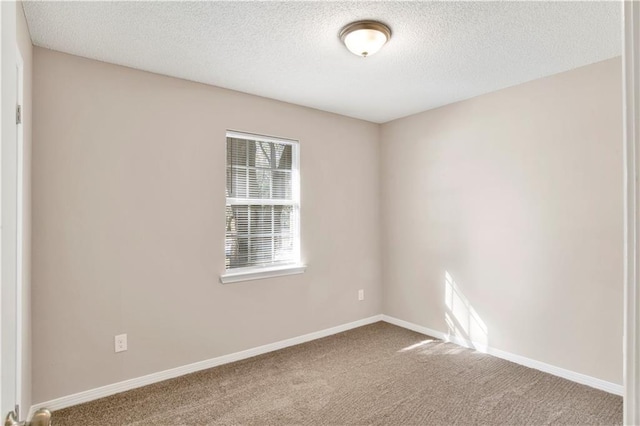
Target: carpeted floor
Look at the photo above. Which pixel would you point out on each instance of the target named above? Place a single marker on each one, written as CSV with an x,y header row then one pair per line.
x,y
377,374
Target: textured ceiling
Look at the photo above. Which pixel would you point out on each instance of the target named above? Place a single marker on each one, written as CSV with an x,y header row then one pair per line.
x,y
439,53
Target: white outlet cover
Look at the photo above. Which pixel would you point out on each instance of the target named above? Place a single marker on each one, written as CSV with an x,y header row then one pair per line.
x,y
121,343
360,294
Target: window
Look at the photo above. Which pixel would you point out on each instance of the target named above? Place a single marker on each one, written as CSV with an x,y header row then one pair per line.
x,y
262,234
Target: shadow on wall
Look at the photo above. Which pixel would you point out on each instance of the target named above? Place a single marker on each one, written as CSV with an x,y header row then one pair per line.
x,y
463,322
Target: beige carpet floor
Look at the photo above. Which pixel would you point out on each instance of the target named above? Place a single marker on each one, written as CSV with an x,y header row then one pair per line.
x,y
377,374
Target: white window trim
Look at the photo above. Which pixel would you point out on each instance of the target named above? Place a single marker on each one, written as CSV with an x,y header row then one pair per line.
x,y
257,272
260,138
248,274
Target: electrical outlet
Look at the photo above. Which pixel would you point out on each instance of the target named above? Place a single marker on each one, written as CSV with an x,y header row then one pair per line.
x,y
121,342
361,295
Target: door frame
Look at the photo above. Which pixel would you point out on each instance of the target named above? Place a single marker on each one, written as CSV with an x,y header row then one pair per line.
x,y
8,84
19,179
2,59
631,117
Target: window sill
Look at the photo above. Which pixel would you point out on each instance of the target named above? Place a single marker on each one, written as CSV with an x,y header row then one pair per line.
x,y
257,274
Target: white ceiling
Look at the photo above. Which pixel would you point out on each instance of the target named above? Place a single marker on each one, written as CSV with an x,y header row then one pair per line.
x,y
439,53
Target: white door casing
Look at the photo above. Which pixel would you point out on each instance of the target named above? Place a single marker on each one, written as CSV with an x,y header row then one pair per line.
x,y
631,93
8,208
19,180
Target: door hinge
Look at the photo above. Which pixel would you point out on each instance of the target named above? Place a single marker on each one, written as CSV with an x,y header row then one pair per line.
x,y
18,114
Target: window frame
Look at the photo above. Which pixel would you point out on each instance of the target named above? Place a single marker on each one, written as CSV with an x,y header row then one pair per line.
x,y
268,270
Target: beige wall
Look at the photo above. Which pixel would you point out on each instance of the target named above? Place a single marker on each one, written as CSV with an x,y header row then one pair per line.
x,y
26,51
517,195
128,224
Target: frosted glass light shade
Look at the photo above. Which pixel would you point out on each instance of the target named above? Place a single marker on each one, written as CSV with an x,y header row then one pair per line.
x,y
364,38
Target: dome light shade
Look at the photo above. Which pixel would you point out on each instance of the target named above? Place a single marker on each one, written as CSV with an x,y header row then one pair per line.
x,y
364,38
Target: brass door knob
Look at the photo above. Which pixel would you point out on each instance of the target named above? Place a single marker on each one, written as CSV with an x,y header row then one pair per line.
x,y
42,417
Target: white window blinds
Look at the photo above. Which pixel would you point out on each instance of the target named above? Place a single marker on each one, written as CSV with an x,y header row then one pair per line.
x,y
263,193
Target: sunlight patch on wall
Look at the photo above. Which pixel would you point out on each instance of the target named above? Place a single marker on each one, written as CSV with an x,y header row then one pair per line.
x,y
462,320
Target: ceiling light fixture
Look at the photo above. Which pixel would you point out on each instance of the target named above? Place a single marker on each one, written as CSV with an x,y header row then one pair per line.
x,y
364,38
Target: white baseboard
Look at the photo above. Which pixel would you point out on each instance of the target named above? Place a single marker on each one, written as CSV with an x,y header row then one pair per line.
x,y
527,362
101,392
